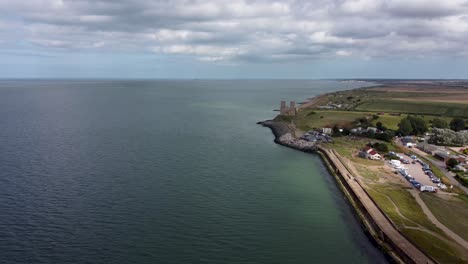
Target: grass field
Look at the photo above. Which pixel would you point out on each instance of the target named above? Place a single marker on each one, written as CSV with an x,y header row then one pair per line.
x,y
438,249
414,107
452,213
402,208
394,196
308,119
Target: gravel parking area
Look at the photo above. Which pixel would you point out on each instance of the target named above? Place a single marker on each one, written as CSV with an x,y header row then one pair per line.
x,y
415,169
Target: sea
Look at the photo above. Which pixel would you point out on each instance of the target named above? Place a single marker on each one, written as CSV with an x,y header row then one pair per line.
x,y
165,171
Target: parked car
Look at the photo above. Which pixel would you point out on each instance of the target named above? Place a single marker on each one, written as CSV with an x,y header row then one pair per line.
x,y
416,184
424,188
436,180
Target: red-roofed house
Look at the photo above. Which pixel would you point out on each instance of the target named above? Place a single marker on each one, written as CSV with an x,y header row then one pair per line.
x,y
373,155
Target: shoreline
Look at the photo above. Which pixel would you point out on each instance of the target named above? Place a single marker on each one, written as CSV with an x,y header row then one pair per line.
x,y
373,220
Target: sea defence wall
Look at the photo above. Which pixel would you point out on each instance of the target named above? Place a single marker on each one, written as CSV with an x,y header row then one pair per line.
x,y
379,226
284,136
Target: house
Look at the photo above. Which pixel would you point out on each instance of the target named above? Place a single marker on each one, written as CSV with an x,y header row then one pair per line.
x,y
428,148
406,140
369,153
363,154
367,149
326,130
373,155
444,156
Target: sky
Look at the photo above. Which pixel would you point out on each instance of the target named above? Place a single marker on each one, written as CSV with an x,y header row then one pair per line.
x,y
222,39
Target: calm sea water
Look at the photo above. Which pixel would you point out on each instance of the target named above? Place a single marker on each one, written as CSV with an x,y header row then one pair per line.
x,y
164,172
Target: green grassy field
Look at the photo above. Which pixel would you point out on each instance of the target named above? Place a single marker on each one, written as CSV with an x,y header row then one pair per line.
x,y
392,196
414,107
308,119
409,218
452,213
438,249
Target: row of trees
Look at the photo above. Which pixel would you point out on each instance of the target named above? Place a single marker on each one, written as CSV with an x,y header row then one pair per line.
x,y
444,136
456,124
414,125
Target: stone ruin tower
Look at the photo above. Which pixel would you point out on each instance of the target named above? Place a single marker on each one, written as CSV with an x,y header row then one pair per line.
x,y
288,111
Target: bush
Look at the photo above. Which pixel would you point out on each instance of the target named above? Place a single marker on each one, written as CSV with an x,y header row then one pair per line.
x,y
462,178
391,156
387,135
451,163
380,147
439,123
457,124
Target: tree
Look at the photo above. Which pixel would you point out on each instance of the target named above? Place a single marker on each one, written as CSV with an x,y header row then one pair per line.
x,y
405,127
418,124
381,147
457,124
336,130
386,136
439,123
451,163
412,125
444,136
380,126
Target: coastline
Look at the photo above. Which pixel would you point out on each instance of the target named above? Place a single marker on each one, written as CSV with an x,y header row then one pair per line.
x,y
373,220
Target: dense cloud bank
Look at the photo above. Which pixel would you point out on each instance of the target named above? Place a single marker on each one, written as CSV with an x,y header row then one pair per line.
x,y
236,30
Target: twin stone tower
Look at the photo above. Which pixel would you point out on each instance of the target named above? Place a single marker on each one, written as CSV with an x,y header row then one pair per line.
x,y
288,111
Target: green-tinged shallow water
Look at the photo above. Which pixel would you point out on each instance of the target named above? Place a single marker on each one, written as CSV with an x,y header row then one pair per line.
x,y
164,172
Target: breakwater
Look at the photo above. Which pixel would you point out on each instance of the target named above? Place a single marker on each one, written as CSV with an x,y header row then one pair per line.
x,y
374,220
285,136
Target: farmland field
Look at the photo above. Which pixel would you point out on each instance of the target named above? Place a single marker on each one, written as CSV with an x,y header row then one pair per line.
x,y
414,107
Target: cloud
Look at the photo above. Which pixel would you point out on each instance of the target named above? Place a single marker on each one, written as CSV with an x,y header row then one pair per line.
x,y
241,30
